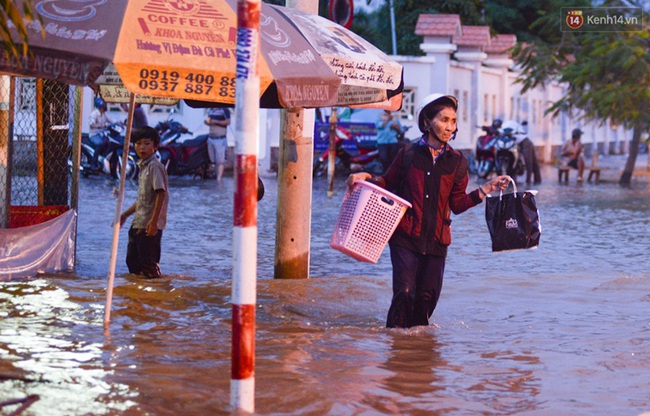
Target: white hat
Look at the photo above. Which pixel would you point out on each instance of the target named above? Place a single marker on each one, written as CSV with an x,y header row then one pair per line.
x,y
428,100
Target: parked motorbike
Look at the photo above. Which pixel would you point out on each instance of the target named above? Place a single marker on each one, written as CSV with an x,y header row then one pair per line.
x,y
189,157
508,160
182,157
171,130
365,158
485,150
110,162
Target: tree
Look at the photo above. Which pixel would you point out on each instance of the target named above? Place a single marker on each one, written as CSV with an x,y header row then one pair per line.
x,y
607,73
12,15
514,17
376,27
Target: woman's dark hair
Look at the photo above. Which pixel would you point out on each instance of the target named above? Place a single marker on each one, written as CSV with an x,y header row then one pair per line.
x,y
146,132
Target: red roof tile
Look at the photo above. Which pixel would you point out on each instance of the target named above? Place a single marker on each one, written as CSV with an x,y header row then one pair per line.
x,y
473,36
501,43
438,25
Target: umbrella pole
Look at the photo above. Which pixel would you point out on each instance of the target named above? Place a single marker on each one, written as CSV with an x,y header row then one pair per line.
x,y
331,155
244,281
6,110
295,180
118,212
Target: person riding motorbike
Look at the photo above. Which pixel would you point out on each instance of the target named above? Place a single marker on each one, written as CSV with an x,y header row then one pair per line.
x,y
99,121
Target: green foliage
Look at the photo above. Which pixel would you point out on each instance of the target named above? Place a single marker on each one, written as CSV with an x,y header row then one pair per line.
x,y
470,11
12,14
610,78
515,17
364,25
376,27
607,73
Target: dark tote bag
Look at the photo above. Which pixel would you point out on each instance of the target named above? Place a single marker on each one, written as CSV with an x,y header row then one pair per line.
x,y
513,220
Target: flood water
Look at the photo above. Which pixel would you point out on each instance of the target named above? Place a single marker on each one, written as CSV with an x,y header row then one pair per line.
x,y
560,330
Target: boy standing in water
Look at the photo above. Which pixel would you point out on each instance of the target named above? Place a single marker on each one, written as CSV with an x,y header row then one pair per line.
x,y
150,208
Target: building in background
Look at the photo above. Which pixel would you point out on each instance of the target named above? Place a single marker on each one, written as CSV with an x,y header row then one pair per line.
x,y
461,60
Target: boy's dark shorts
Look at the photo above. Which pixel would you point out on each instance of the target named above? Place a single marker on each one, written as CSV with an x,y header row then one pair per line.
x,y
143,253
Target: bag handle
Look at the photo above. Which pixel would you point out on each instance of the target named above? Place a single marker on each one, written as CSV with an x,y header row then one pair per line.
x,y
514,186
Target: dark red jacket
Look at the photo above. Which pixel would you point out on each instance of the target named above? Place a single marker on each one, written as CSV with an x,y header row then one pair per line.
x,y
435,190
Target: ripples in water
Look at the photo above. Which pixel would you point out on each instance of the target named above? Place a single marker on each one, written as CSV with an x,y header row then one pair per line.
x,y
558,330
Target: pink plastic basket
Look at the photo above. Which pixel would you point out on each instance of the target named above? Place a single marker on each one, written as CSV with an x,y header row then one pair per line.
x,y
367,219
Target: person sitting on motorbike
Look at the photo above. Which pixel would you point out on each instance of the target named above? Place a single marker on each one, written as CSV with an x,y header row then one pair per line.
x,y
485,153
99,121
572,153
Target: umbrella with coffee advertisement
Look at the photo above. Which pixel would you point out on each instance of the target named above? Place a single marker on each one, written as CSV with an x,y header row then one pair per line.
x,y
187,50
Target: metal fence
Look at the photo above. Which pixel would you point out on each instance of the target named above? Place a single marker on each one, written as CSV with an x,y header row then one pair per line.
x,y
39,120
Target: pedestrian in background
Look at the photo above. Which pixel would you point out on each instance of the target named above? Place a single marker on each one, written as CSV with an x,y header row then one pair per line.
x,y
139,116
530,156
218,120
433,177
150,208
388,130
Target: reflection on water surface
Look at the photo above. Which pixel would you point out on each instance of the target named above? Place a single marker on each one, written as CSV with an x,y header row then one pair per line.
x,y
558,330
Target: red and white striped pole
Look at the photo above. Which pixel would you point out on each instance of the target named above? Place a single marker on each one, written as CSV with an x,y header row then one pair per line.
x,y
244,289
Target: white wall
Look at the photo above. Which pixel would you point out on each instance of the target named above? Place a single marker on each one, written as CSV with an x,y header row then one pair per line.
x,y
460,84
497,95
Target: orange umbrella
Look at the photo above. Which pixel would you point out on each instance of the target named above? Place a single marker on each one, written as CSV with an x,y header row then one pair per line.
x,y
187,49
